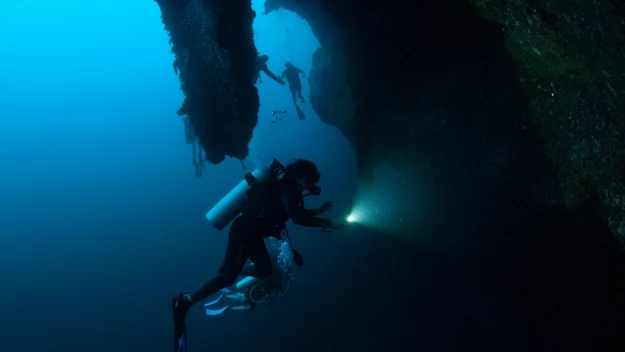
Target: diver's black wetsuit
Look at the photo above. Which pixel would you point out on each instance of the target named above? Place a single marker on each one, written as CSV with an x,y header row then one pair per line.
x,y
292,76
261,65
247,233
295,84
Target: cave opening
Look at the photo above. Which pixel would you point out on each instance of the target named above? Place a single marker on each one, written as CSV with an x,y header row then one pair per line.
x,y
284,36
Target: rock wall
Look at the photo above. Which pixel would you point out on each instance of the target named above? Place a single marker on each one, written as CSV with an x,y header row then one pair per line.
x,y
570,59
511,93
215,58
523,92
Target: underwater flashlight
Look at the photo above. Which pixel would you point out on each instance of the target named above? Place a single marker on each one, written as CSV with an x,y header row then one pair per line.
x,y
350,218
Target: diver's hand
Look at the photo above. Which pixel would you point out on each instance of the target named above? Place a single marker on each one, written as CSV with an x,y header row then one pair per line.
x,y
282,82
338,224
324,207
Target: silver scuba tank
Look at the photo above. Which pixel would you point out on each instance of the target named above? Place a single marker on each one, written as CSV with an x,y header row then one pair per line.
x,y
233,203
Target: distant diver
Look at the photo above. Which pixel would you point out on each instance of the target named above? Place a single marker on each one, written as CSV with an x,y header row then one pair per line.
x,y
261,65
295,84
196,150
258,207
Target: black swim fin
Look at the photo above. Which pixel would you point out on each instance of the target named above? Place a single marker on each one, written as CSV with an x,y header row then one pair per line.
x,y
179,308
180,340
300,113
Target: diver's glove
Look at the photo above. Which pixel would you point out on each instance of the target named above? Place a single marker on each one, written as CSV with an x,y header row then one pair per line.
x,y
337,224
334,224
324,207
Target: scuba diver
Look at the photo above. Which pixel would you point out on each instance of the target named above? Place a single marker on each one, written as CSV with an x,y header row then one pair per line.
x,y
261,65
295,84
260,205
196,150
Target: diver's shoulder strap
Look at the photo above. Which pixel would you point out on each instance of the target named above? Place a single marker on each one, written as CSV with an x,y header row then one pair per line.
x,y
249,178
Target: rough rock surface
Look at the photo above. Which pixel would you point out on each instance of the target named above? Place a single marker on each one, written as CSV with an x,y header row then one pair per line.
x,y
513,92
570,59
215,57
416,83
521,91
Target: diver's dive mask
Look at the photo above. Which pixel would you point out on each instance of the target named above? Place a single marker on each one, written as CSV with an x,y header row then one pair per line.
x,y
311,181
314,190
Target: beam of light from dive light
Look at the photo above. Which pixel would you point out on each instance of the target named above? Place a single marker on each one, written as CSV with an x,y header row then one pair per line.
x,y
356,216
393,204
371,211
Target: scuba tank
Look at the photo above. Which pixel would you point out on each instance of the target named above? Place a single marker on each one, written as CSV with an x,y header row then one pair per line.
x,y
240,197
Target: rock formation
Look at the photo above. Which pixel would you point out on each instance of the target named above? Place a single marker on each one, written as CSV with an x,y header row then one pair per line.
x,y
524,94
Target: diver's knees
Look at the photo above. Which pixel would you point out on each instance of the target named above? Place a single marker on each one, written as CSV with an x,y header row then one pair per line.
x,y
227,279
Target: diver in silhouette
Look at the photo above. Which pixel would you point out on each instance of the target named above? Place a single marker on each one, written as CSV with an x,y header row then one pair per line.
x,y
261,65
270,204
295,84
196,150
